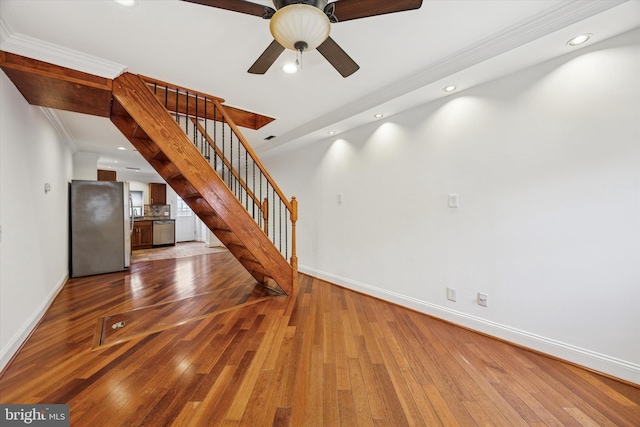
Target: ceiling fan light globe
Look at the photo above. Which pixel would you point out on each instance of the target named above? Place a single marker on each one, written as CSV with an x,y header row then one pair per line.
x,y
300,23
290,68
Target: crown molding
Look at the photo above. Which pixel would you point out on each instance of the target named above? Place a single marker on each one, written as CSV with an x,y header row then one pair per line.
x,y
59,127
31,47
546,22
4,32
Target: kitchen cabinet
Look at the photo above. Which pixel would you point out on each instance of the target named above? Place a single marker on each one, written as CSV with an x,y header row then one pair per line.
x,y
157,193
142,236
104,175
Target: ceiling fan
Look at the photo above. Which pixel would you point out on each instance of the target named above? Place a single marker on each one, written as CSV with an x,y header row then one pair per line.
x,y
303,25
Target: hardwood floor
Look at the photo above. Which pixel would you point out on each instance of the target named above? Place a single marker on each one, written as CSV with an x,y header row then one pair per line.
x,y
328,357
180,250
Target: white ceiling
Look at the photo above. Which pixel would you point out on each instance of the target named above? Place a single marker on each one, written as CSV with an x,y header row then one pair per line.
x,y
405,58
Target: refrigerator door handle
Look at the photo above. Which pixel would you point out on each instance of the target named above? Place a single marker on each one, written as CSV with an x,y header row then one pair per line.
x,y
130,216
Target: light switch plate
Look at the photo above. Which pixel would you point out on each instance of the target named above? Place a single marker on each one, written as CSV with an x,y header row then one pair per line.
x,y
483,299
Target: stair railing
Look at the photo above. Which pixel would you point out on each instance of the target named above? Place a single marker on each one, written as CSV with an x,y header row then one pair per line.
x,y
211,129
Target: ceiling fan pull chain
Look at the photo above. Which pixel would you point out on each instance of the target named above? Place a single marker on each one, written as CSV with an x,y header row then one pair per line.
x,y
300,47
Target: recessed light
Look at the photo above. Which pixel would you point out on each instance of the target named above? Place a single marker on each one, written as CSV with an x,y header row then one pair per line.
x,y
127,3
122,149
115,161
449,88
331,132
378,116
290,68
579,39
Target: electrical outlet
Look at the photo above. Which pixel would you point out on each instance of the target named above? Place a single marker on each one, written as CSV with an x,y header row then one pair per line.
x,y
339,198
451,294
453,200
483,299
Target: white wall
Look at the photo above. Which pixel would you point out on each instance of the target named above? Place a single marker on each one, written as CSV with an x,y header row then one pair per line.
x,y
34,245
85,166
210,239
546,165
140,182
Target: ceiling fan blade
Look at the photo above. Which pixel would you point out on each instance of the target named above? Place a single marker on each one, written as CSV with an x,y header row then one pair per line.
x,y
346,10
238,6
338,57
267,58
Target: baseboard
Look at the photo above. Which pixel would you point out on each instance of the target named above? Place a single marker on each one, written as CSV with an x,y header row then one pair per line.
x,y
610,366
14,344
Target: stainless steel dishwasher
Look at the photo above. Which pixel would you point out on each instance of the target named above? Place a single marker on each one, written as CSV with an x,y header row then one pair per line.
x,y
164,233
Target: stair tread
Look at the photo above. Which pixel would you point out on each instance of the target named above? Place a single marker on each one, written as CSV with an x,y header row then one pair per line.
x,y
240,251
195,195
159,156
178,176
224,230
237,244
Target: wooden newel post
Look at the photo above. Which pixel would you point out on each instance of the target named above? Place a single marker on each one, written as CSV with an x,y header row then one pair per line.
x,y
265,215
294,256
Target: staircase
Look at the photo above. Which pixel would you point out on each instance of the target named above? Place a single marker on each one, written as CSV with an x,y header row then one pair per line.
x,y
194,143
191,140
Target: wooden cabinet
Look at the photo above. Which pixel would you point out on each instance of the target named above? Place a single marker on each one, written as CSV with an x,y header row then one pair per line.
x,y
142,236
104,175
157,193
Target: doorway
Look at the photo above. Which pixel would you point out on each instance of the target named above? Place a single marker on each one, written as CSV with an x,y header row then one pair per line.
x,y
185,222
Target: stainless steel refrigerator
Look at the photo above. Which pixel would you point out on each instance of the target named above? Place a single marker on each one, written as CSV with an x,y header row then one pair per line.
x,y
100,227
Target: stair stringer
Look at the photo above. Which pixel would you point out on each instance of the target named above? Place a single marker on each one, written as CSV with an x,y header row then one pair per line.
x,y
176,157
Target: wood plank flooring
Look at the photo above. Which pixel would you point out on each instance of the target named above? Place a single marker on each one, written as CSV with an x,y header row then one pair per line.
x,y
328,357
180,250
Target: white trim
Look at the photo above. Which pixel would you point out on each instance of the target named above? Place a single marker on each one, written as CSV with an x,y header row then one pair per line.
x,y
41,50
23,333
618,368
60,128
5,32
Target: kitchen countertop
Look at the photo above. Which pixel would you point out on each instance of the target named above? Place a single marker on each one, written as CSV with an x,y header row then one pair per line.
x,y
152,218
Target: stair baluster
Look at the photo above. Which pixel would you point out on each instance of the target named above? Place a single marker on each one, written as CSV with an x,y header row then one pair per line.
x,y
275,222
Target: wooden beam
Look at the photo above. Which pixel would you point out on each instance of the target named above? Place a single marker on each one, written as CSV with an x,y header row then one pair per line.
x,y
175,99
53,86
